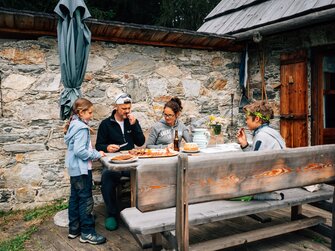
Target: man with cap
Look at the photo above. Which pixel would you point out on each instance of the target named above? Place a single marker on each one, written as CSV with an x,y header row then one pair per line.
x,y
120,129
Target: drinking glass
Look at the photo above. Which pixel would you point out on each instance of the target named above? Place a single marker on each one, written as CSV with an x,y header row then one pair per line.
x,y
216,131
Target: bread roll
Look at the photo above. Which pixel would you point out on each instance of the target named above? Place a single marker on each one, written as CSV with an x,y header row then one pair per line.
x,y
191,147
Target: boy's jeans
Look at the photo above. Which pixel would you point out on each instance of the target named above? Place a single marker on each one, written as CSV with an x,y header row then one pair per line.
x,y
81,205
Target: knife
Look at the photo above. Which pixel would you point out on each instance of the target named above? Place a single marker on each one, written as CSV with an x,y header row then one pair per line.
x,y
123,144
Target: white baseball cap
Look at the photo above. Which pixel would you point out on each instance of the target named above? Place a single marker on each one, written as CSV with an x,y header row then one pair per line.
x,y
122,98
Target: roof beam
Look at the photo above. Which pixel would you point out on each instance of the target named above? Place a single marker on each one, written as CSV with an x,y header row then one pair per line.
x,y
14,24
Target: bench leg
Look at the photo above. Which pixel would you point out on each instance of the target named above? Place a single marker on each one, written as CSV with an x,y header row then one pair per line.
x,y
170,237
333,223
296,212
261,218
157,242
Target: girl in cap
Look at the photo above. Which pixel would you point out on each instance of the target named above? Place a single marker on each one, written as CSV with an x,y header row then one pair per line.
x,y
258,115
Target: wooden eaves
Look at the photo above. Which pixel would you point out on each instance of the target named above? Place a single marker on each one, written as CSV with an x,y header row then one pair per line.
x,y
31,25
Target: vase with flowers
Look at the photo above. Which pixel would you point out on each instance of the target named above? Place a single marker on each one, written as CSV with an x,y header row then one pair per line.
x,y
215,123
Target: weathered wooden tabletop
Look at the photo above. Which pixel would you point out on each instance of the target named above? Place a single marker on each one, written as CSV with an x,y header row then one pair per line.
x,y
231,147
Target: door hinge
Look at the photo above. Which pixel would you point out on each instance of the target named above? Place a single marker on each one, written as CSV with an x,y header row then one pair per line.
x,y
293,116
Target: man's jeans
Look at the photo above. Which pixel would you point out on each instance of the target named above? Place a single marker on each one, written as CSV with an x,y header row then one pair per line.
x,y
81,205
109,182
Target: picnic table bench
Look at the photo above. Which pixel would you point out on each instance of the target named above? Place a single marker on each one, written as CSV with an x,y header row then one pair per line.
x,y
206,182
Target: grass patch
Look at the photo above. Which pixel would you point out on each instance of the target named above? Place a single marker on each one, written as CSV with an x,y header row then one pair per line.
x,y
6,217
19,218
46,211
5,214
17,243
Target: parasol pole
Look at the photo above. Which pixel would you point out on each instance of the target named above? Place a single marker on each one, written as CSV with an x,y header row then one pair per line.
x,y
232,115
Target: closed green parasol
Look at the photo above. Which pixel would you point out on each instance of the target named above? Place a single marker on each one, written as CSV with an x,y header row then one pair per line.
x,y
74,40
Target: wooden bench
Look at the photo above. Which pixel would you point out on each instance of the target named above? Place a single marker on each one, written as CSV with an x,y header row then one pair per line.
x,y
164,191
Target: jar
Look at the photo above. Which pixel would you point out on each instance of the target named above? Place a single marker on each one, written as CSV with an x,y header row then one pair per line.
x,y
201,136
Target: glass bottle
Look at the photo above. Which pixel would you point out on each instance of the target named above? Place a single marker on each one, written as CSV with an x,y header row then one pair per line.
x,y
176,141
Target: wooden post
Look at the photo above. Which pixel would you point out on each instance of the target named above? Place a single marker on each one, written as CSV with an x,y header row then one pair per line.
x,y
333,224
182,204
156,242
296,212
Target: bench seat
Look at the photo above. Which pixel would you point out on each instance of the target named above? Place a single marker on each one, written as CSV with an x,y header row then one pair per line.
x,y
164,220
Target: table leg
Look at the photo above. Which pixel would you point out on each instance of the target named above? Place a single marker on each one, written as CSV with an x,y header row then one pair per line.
x,y
133,188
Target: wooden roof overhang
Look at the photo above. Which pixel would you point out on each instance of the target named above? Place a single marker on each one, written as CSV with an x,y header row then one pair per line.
x,y
31,25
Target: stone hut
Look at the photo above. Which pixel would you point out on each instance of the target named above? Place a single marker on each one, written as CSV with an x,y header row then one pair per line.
x,y
151,63
290,47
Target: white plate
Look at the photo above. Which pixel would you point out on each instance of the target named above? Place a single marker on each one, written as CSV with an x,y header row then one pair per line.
x,y
133,159
190,151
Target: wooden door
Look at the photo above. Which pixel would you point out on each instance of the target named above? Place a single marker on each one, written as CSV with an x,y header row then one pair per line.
x,y
323,96
293,98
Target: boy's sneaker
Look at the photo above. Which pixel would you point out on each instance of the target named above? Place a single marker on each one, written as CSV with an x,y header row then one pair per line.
x,y
73,235
92,238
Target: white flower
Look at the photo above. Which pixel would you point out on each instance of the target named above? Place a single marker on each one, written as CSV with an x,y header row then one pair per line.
x,y
215,120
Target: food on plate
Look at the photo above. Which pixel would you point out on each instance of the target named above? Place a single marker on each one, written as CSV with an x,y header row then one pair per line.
x,y
151,153
137,152
122,157
191,147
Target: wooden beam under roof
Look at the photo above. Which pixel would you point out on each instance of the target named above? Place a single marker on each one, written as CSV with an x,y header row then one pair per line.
x,y
31,25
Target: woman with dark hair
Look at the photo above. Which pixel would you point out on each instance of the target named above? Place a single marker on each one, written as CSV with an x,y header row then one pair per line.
x,y
163,132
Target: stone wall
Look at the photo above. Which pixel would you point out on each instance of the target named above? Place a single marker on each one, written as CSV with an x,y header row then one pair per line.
x,y
32,151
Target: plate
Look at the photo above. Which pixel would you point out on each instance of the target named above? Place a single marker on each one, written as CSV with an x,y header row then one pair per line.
x,y
153,153
119,161
190,151
158,156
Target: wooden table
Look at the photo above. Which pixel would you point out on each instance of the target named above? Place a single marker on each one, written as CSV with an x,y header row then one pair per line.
x,y
131,167
145,240
231,147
